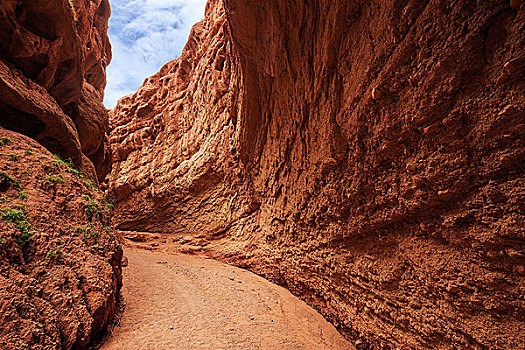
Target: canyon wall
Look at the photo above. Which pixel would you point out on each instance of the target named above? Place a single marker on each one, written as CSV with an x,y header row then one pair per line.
x,y
53,56
367,155
174,141
60,259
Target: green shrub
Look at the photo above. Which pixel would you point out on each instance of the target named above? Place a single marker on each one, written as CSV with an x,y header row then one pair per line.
x,y
25,233
13,156
54,253
23,195
28,151
88,232
7,181
91,184
14,215
5,141
68,163
91,208
18,216
110,203
55,179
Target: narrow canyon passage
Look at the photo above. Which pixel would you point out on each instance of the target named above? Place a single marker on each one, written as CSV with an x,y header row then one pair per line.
x,y
368,156
186,302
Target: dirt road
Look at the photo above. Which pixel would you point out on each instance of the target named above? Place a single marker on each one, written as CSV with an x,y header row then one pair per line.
x,y
186,302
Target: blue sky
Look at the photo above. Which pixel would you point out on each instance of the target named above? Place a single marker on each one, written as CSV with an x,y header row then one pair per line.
x,y
145,34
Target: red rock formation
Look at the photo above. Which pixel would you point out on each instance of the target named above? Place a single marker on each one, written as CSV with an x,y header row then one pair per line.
x,y
173,141
60,262
52,76
367,155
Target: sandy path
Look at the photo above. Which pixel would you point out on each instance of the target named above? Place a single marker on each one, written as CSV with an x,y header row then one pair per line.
x,y
186,302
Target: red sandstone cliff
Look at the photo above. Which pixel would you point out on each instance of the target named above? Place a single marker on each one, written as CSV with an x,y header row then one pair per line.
x,y
60,260
53,56
174,140
367,155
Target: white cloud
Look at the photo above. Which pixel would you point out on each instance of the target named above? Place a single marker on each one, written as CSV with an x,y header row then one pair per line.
x,y
145,34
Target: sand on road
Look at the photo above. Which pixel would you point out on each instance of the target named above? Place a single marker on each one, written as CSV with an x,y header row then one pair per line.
x,y
187,302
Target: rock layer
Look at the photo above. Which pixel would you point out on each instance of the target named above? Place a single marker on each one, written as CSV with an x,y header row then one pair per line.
x,y
367,155
52,77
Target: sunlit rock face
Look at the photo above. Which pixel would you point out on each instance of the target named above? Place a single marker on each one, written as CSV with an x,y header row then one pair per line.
x,y
53,56
367,155
174,141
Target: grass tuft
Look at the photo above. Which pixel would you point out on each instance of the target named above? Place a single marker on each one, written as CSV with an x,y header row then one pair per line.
x,y
5,141
68,163
88,232
7,181
23,195
54,254
55,179
92,209
91,184
18,216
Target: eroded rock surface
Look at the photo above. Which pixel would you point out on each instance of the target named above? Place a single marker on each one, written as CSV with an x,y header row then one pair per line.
x,y
174,141
367,155
53,56
60,261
